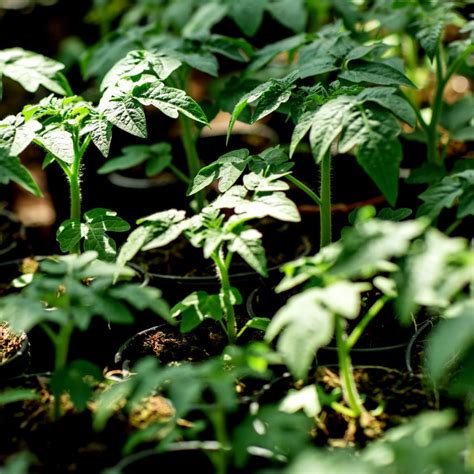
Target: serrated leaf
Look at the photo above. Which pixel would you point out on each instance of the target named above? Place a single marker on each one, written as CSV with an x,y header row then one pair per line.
x,y
327,123
268,52
260,184
11,169
248,14
375,73
290,13
31,70
301,129
205,17
385,96
170,101
248,245
135,241
445,193
430,37
226,169
59,143
139,62
422,272
100,130
275,205
379,152
93,231
271,99
124,111
303,326
318,65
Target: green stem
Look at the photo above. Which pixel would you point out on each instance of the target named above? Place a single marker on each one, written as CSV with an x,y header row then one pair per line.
x,y
373,311
192,156
347,377
179,174
304,188
325,198
63,339
453,227
220,460
442,80
415,108
226,297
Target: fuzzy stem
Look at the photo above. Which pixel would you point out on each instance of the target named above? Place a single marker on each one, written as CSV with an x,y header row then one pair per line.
x,y
226,297
192,156
347,377
309,192
442,80
325,197
220,459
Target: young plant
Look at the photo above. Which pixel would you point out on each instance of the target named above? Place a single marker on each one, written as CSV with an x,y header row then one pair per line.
x,y
65,294
64,128
357,113
220,237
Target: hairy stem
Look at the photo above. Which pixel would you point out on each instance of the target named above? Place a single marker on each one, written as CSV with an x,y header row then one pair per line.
x,y
309,192
226,297
325,198
220,459
349,388
192,156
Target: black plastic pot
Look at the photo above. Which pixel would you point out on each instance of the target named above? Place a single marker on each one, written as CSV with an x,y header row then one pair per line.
x,y
17,364
135,348
418,338
135,197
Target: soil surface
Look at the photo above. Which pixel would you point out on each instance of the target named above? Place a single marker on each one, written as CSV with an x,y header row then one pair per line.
x,y
10,343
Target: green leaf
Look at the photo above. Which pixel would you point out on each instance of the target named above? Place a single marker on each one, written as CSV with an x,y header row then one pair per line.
x,y
135,241
226,169
170,101
420,282
31,70
268,52
58,142
385,97
270,96
375,73
142,298
195,308
301,129
205,17
379,152
316,66
430,37
304,327
167,226
445,193
394,215
94,232
77,380
290,13
276,205
442,357
327,123
248,244
370,243
140,62
11,169
248,14
100,130
305,399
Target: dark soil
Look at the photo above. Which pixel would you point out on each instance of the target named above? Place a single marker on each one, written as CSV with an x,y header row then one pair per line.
x,y
10,343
